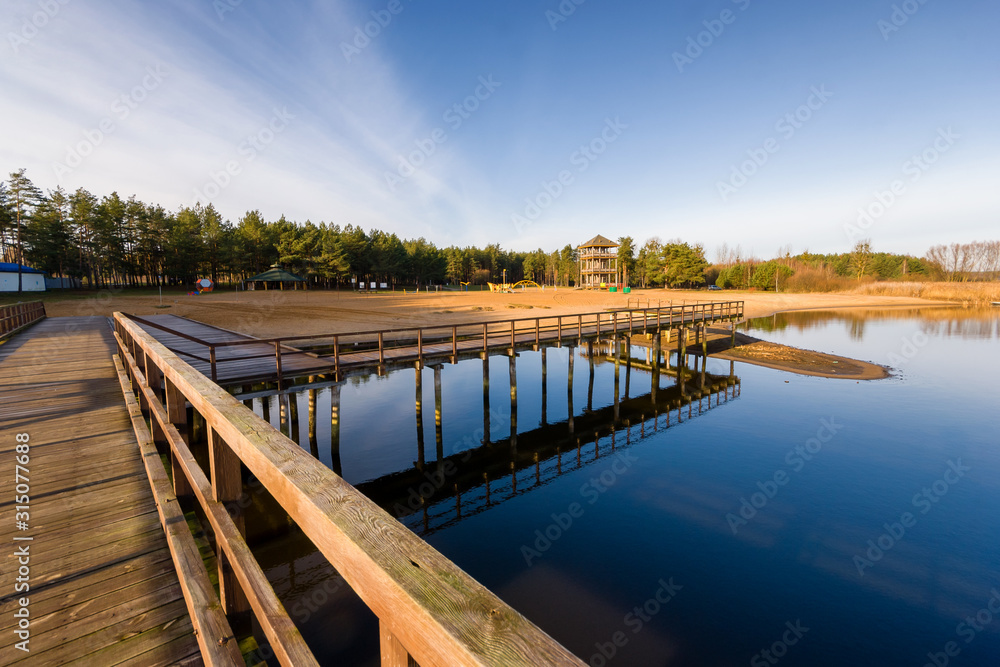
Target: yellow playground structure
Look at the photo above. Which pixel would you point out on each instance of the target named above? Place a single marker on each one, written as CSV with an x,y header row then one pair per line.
x,y
507,287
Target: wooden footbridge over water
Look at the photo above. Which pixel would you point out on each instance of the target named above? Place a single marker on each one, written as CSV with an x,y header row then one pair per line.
x,y
101,566
230,358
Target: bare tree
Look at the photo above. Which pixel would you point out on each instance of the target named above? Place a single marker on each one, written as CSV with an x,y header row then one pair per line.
x,y
861,256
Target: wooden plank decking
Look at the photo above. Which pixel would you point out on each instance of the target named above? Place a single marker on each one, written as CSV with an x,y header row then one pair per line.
x,y
250,362
228,372
103,586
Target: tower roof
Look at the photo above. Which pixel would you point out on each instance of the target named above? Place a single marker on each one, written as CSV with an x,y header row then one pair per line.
x,y
599,242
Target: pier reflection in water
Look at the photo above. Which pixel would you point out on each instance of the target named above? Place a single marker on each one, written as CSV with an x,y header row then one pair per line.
x,y
538,418
469,469
674,512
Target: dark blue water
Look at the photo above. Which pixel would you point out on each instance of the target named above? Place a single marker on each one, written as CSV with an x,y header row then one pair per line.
x,y
806,521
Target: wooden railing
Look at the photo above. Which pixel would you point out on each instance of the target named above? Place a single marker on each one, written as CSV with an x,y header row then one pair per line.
x,y
498,334
429,610
15,317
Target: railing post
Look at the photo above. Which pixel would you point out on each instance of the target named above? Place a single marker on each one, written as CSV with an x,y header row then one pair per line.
x,y
614,322
277,361
227,486
177,415
536,331
512,340
598,324
486,343
381,349
336,357
140,363
152,373
559,329
420,346
211,357
393,653
579,326
454,344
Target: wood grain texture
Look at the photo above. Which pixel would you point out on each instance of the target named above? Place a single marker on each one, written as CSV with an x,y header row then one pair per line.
x,y
215,637
285,639
439,614
103,588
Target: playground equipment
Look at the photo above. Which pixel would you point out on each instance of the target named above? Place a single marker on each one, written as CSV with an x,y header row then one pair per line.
x,y
508,287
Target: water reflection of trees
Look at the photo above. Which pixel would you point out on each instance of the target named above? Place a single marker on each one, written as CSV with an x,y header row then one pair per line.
x,y
981,323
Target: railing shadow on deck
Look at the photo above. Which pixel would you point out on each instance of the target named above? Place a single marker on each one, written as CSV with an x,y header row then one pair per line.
x,y
18,316
430,612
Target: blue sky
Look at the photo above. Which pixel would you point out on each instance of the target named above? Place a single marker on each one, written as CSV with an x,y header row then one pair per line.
x,y
762,124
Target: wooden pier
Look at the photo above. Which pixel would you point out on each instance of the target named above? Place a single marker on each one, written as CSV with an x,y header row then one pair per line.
x,y
115,575
103,586
230,358
430,612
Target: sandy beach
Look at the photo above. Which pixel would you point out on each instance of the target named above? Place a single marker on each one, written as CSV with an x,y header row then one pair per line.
x,y
289,313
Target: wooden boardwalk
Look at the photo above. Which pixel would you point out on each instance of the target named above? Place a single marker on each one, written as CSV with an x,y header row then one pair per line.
x,y
103,587
229,372
231,358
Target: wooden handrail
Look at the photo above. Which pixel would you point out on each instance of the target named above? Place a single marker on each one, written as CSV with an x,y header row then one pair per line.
x,y
434,611
406,337
17,316
215,637
442,327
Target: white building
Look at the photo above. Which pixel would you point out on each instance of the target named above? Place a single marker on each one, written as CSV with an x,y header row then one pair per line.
x,y
32,280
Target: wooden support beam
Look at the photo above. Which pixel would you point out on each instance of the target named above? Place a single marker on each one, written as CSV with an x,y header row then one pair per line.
x,y
227,487
215,637
177,415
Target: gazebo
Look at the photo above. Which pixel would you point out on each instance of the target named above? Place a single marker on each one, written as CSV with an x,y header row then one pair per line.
x,y
598,259
275,274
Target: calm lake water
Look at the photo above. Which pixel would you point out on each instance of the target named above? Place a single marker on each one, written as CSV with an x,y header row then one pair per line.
x,y
797,519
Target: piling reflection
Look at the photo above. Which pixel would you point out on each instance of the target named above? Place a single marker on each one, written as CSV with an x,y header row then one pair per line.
x,y
487,471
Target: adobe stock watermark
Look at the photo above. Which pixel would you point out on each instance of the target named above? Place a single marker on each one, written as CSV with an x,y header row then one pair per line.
x,y
908,349
365,33
249,149
454,116
591,491
796,460
779,649
635,621
968,630
562,13
581,159
697,44
925,501
913,170
434,480
223,7
120,109
33,25
786,126
316,599
899,17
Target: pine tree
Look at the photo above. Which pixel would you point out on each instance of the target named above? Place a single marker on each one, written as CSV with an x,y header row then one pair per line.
x,y
24,198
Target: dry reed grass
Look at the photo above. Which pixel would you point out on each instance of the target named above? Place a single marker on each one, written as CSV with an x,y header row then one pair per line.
x,y
980,292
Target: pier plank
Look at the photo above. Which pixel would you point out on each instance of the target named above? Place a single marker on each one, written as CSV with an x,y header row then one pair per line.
x,y
103,587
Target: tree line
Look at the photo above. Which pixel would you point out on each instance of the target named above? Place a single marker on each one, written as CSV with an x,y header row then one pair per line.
x,y
110,241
